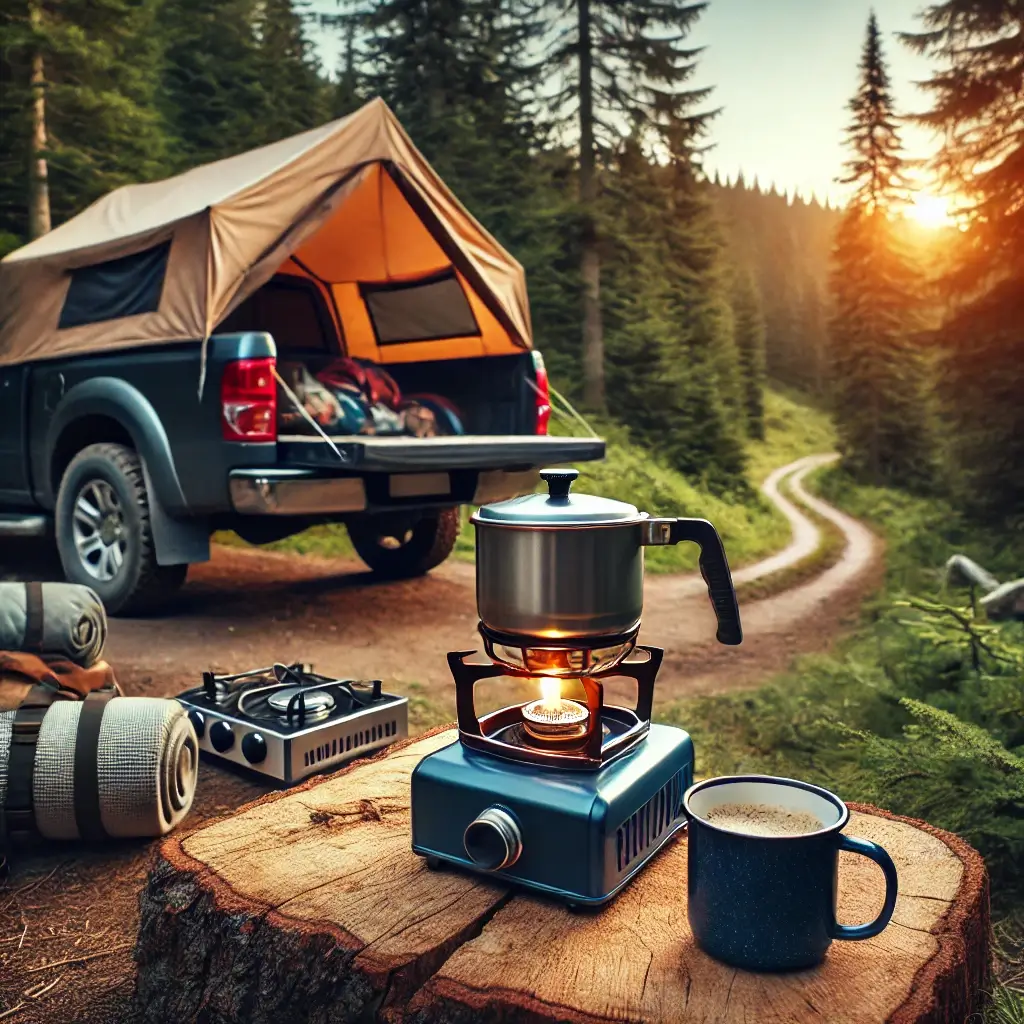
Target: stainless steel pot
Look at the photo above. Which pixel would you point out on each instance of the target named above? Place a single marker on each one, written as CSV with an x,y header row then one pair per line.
x,y
563,566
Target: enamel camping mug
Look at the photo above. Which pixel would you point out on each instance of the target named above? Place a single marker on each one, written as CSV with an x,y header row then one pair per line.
x,y
563,565
768,902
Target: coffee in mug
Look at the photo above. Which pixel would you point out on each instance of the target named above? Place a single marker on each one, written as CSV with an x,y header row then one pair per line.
x,y
764,819
762,857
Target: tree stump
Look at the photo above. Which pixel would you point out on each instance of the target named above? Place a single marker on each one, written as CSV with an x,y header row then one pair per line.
x,y
309,905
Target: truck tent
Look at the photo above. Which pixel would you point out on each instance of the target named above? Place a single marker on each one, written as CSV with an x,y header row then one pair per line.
x,y
352,205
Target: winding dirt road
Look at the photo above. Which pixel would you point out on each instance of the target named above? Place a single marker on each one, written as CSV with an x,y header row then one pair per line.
x,y
248,608
805,618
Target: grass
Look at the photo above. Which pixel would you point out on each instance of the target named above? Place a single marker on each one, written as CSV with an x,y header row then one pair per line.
x,y
751,529
1007,1007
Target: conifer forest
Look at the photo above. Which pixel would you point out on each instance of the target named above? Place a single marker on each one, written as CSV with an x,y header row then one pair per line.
x,y
668,300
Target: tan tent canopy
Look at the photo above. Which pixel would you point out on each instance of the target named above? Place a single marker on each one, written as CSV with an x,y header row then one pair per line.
x,y
352,205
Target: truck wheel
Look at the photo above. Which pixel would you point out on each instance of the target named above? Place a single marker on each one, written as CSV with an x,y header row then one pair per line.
x,y
104,534
414,551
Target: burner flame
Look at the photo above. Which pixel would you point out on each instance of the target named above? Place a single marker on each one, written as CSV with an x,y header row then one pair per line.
x,y
551,694
554,717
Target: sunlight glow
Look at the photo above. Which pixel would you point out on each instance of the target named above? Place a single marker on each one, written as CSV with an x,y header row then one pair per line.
x,y
930,211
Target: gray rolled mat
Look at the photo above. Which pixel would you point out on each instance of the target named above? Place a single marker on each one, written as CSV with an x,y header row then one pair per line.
x,y
73,620
147,763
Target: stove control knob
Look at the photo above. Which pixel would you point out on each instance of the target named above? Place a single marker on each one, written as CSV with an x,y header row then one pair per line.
x,y
221,737
493,841
254,748
198,722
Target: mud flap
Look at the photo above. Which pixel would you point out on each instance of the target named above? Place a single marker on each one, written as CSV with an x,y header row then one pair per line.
x,y
177,541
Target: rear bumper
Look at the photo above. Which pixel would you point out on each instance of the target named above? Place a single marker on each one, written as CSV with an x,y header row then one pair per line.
x,y
302,492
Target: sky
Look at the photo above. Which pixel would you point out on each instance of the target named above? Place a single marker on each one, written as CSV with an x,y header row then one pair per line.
x,y
783,72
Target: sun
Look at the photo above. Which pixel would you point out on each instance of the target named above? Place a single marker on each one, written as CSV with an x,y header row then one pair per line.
x,y
930,211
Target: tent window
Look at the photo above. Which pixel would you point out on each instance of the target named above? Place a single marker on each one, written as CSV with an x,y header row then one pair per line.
x,y
292,312
117,288
420,311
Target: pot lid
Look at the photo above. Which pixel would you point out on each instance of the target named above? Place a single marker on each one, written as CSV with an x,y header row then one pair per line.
x,y
558,507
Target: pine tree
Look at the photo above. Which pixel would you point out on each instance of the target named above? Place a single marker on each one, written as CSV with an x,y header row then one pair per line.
x,y
978,110
665,328
750,344
785,249
15,127
39,221
80,79
618,64
350,91
296,97
780,282
812,339
879,389
213,97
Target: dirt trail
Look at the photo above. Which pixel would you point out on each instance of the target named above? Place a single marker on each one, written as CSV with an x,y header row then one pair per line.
x,y
805,618
248,608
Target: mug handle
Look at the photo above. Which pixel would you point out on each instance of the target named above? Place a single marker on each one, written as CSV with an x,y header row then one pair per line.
x,y
873,852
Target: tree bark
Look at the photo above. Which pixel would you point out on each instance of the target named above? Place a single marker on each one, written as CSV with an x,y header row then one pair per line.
x,y
39,186
590,257
310,905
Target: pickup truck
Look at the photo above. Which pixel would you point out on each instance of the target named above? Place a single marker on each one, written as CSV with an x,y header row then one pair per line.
x,y
142,406
118,455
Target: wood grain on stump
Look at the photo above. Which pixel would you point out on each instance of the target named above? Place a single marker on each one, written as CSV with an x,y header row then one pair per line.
x,y
310,905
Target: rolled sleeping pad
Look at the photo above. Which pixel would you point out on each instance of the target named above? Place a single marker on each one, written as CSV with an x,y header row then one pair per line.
x,y
133,776
53,619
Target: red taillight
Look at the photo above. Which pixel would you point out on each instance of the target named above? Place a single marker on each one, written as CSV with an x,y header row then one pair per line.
x,y
543,392
248,400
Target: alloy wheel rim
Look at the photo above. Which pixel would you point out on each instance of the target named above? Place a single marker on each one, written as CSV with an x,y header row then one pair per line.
x,y
99,530
392,542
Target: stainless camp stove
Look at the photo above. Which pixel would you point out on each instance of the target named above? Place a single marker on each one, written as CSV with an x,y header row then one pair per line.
x,y
564,794
287,722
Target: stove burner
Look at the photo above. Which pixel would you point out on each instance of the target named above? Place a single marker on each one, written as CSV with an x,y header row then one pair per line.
x,y
565,720
288,700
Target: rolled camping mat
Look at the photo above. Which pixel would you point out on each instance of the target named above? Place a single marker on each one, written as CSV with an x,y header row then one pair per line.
x,y
56,619
142,780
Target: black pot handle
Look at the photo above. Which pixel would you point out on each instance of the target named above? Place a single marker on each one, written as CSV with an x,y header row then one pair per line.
x,y
714,567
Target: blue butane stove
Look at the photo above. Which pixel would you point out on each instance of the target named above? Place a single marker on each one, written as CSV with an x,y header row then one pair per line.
x,y
564,794
567,797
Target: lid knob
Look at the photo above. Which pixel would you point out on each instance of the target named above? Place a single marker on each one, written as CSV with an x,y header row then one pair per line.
x,y
559,481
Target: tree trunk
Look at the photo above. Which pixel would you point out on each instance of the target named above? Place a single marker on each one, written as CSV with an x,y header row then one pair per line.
x,y
310,905
590,257
39,188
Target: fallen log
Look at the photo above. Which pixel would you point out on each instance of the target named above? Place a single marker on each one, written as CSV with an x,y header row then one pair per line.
x,y
309,905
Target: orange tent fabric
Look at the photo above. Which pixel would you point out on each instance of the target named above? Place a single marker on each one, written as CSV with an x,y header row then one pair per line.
x,y
353,201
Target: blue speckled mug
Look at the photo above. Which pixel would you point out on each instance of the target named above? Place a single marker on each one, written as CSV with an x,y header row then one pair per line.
x,y
768,902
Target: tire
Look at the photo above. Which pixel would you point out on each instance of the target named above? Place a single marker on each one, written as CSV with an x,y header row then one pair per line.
x,y
108,544
422,548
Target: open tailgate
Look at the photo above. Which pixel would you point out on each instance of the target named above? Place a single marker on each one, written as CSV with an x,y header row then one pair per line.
x,y
422,454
